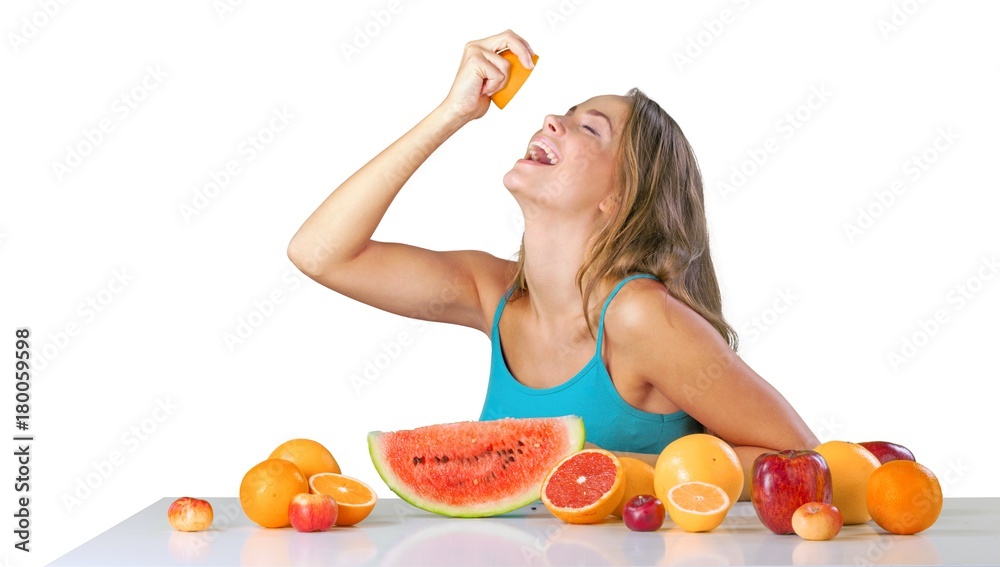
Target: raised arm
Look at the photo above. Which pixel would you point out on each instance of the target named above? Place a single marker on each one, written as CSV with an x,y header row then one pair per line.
x,y
334,245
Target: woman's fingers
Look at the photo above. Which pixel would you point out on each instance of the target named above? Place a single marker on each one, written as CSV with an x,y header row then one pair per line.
x,y
496,71
483,72
509,40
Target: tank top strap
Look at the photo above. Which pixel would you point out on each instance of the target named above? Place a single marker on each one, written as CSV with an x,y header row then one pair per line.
x,y
600,325
496,315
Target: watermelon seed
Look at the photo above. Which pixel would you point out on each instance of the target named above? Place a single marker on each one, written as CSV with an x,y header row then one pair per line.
x,y
520,443
510,459
444,459
538,445
437,459
475,481
519,452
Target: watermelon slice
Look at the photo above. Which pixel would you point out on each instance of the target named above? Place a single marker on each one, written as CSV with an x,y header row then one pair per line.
x,y
474,468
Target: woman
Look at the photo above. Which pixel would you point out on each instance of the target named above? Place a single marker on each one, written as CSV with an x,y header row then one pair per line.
x,y
613,207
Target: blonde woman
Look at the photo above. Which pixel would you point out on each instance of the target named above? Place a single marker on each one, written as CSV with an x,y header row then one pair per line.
x,y
612,310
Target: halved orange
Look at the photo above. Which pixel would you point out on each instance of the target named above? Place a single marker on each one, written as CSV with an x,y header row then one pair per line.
x,y
585,487
697,506
518,75
355,499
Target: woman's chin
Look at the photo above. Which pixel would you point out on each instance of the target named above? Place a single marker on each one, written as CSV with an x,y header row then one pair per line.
x,y
513,181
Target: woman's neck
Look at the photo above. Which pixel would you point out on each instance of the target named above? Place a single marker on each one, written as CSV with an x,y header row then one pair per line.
x,y
552,259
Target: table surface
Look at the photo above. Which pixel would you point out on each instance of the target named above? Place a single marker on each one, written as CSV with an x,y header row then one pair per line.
x,y
967,533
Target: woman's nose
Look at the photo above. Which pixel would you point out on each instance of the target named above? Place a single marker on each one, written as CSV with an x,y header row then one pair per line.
x,y
552,124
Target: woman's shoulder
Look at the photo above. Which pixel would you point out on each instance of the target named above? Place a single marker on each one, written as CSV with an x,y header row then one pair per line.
x,y
644,306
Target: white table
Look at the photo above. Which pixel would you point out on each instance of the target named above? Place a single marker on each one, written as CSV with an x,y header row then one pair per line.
x,y
967,533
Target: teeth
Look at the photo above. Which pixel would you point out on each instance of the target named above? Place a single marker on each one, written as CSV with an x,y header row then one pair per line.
x,y
542,146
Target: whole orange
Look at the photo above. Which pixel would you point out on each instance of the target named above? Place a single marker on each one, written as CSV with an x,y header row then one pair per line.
x,y
311,457
698,457
268,488
904,497
638,480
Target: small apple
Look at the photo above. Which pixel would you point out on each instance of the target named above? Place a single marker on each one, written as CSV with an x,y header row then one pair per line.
x,y
190,514
781,482
885,451
817,521
643,513
312,512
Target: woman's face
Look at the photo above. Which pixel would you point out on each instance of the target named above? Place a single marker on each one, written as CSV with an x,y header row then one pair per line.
x,y
569,165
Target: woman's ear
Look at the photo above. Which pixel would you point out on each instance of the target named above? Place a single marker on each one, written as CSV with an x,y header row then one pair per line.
x,y
609,204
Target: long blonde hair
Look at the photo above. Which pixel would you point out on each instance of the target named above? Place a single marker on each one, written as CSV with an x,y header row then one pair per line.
x,y
659,226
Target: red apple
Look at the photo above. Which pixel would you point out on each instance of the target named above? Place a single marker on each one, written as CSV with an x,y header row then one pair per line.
x,y
643,513
885,451
817,521
312,512
781,482
190,514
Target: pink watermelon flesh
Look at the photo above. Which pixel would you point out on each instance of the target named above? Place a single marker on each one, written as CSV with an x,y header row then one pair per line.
x,y
474,468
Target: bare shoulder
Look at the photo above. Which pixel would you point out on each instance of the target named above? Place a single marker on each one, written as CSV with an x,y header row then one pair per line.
x,y
645,310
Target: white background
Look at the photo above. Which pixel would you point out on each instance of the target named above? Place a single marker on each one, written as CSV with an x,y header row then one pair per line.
x,y
848,302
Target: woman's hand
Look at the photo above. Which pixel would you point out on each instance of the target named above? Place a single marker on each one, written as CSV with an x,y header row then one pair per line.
x,y
482,73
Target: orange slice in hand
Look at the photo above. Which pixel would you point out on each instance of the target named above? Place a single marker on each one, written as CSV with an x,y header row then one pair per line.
x,y
518,75
355,499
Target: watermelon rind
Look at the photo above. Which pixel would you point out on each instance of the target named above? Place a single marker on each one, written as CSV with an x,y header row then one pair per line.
x,y
574,442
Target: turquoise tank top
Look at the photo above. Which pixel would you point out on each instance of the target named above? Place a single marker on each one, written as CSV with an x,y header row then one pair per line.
x,y
610,422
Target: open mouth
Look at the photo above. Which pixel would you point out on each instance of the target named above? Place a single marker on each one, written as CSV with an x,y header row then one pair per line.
x,y
539,151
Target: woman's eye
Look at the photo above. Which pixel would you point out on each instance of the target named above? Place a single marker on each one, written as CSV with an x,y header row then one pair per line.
x,y
592,131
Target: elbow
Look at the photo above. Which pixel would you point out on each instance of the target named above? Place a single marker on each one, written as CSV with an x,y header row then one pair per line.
x,y
304,256
315,256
